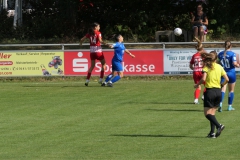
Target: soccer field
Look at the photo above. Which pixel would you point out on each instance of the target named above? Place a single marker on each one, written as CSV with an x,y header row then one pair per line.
x,y
135,119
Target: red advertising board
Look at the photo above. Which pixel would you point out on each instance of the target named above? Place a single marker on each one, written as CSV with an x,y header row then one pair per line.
x,y
146,62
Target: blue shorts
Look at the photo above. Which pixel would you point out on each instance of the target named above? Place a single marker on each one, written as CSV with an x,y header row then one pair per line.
x,y
204,27
231,76
117,66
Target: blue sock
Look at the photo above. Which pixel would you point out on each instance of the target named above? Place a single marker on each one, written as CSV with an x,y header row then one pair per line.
x,y
230,98
223,94
108,78
116,78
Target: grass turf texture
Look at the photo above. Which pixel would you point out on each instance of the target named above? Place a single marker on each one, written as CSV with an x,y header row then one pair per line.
x,y
136,119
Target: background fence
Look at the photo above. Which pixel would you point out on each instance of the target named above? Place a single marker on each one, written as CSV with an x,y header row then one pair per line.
x,y
163,58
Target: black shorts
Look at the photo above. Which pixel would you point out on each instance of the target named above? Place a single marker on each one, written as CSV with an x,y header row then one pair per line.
x,y
212,97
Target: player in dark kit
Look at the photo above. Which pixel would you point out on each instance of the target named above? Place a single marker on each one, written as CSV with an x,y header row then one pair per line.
x,y
212,73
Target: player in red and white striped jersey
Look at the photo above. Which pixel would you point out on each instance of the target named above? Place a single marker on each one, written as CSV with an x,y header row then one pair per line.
x,y
95,40
196,65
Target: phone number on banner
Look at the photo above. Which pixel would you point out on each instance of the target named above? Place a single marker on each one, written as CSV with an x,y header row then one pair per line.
x,y
25,68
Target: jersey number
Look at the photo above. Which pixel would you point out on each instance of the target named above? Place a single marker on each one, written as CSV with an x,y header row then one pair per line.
x,y
198,63
93,39
225,63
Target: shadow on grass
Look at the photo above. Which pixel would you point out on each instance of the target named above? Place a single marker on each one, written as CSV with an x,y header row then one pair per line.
x,y
159,135
187,103
56,86
177,110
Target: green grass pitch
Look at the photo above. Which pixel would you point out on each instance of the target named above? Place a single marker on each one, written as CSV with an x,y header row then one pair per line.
x,y
136,119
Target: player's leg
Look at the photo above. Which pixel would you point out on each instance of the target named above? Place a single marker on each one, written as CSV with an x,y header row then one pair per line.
x,y
110,76
197,94
197,77
118,73
211,103
92,55
231,86
117,77
103,63
223,94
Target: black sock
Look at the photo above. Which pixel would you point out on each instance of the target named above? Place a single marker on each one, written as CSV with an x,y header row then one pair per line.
x,y
213,119
212,126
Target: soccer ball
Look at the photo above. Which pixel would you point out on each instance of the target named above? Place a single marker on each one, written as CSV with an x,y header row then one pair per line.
x,y
177,31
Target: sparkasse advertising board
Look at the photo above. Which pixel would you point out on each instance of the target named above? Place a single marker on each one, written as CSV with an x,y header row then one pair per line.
x,y
146,62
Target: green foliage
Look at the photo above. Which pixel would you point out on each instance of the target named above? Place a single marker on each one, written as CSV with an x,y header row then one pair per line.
x,y
6,23
222,30
137,20
213,21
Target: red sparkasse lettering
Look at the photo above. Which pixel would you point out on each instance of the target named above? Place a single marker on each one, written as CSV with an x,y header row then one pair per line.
x,y
5,56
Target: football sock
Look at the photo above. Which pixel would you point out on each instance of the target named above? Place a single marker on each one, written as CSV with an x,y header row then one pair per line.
x,y
116,78
108,77
197,93
223,94
213,119
220,104
101,74
88,75
230,98
212,126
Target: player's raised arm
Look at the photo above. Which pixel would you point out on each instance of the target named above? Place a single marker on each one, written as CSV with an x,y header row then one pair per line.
x,y
82,40
102,42
127,51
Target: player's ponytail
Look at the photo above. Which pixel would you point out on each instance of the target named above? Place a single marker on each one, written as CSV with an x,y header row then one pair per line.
x,y
227,45
199,46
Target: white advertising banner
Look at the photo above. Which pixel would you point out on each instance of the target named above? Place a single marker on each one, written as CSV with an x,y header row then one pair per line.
x,y
176,61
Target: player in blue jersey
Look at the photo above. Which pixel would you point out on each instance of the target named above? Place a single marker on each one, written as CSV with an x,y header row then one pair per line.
x,y
227,59
117,68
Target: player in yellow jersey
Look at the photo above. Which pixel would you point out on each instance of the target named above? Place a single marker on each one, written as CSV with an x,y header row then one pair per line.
x,y
212,73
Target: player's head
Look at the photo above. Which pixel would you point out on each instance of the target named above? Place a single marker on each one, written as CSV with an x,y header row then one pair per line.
x,y
96,26
93,27
209,58
227,45
118,38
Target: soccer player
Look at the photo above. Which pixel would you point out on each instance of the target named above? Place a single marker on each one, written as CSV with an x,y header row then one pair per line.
x,y
117,68
212,73
196,65
95,39
227,59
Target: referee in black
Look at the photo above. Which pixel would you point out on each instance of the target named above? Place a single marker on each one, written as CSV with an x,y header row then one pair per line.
x,y
212,73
